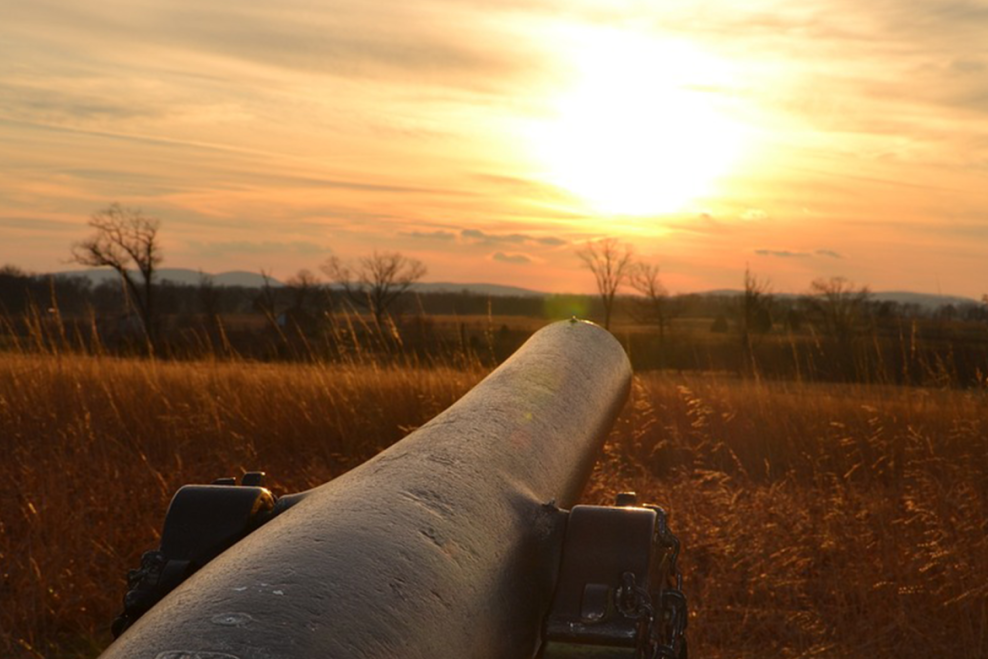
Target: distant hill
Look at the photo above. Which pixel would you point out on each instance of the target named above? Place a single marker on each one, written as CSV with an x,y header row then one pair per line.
x,y
178,276
254,280
924,300
477,289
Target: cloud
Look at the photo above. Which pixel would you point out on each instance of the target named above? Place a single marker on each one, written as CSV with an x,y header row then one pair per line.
x,y
40,224
968,66
542,192
753,214
431,41
32,102
482,237
550,241
246,165
511,258
430,235
701,224
782,253
237,247
795,254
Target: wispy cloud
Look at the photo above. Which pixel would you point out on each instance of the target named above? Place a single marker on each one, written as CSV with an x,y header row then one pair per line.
x,y
439,234
782,253
514,258
40,224
223,249
485,238
431,41
799,254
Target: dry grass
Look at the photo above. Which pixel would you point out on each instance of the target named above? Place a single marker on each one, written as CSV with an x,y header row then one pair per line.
x,y
94,448
818,520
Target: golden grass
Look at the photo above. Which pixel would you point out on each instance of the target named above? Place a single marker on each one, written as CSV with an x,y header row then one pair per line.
x,y
94,449
817,520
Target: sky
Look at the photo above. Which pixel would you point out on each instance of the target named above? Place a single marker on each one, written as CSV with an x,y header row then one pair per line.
x,y
490,140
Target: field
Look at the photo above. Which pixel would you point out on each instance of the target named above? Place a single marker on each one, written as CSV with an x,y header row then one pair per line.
x,y
823,520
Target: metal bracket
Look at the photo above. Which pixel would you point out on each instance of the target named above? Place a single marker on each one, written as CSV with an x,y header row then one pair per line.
x,y
202,522
619,592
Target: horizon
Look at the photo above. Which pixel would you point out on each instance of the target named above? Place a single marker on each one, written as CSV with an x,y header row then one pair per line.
x,y
490,141
624,290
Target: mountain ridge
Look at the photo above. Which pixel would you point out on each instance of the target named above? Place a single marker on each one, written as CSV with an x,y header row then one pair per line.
x,y
248,279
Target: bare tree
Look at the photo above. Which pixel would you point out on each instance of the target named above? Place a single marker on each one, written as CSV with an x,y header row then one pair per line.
x,y
126,240
754,313
375,281
610,262
755,308
837,305
644,278
267,299
209,297
302,286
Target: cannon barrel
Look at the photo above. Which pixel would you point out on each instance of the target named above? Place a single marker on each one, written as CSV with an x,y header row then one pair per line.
x,y
444,546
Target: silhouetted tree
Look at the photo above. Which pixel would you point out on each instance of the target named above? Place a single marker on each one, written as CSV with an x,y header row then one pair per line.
x,y
303,287
837,306
266,300
15,289
209,297
754,313
374,282
307,298
655,304
125,239
610,262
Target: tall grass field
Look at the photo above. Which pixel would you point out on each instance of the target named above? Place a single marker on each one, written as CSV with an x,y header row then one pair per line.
x,y
817,520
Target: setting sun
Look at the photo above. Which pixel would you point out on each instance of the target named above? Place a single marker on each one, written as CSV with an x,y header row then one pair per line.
x,y
490,140
639,131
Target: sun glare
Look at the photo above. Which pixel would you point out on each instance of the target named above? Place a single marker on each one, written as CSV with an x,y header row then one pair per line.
x,y
640,131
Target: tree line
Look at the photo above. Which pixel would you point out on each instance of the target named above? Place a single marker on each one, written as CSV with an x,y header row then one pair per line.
x,y
127,241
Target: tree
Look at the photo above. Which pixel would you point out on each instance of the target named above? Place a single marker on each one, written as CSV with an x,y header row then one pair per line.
x,y
610,262
375,281
209,304
15,289
209,296
126,240
303,286
837,305
267,299
307,297
754,312
644,278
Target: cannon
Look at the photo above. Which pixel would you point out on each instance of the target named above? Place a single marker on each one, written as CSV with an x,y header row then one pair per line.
x,y
454,543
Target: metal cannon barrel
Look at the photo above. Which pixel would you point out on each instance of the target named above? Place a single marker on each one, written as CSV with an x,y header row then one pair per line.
x,y
444,546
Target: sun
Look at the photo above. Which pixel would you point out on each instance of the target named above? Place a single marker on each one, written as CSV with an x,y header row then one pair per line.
x,y
642,129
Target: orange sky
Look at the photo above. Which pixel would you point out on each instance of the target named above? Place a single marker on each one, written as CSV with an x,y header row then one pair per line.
x,y
488,139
